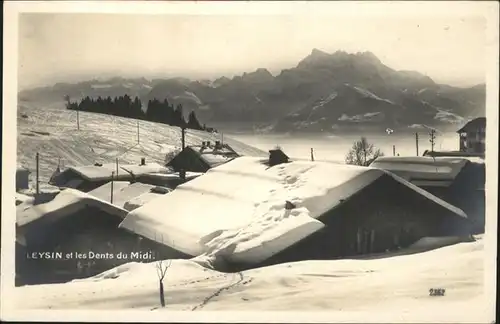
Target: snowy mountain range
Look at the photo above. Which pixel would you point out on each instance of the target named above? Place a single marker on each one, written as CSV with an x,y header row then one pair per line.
x,y
323,92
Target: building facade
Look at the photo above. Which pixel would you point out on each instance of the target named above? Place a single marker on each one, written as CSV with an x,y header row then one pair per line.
x,y
473,136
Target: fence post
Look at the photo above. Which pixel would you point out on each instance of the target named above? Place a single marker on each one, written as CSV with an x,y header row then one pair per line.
x,y
394,150
112,179
312,154
37,173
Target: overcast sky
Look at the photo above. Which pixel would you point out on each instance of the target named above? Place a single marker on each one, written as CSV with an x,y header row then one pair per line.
x,y
62,46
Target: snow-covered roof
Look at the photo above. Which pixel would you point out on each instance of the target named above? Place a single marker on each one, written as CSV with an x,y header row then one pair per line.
x,y
473,124
473,157
422,167
240,206
22,169
141,200
123,191
214,159
104,171
67,202
170,176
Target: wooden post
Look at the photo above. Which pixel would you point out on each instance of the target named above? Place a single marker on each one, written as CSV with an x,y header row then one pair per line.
x,y
112,179
394,150
416,141
312,154
117,167
138,132
183,137
37,173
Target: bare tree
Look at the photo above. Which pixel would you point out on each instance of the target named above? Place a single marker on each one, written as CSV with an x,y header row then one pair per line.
x,y
161,270
362,153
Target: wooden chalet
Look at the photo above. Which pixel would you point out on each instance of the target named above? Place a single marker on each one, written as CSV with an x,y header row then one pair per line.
x,y
89,177
54,239
473,136
457,180
201,158
365,210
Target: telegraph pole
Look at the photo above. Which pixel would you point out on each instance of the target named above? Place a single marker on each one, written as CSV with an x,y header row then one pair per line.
x,y
394,150
432,139
137,132
37,173
112,179
416,141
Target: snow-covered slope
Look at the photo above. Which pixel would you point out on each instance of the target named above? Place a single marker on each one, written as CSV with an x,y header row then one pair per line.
x,y
101,138
387,289
237,210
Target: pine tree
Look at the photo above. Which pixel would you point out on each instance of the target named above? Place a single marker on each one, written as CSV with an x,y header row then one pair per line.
x,y
179,116
193,122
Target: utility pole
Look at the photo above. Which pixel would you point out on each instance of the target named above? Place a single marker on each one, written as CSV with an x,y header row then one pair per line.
x,y
416,141
183,137
37,173
117,167
394,150
137,132
432,139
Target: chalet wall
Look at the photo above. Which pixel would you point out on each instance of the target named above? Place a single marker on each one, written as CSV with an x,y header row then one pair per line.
x,y
88,231
188,161
467,193
374,221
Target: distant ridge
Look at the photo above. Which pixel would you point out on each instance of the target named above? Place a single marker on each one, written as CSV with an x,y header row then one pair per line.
x,y
323,92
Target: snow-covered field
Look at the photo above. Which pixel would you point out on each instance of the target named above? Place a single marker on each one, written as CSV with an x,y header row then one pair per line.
x,y
102,138
387,286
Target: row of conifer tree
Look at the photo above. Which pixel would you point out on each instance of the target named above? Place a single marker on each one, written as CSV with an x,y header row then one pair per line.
x,y
124,106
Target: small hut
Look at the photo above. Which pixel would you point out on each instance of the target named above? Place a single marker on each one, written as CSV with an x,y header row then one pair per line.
x,y
277,156
22,178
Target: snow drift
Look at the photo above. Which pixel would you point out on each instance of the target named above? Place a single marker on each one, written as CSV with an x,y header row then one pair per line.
x,y
396,289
